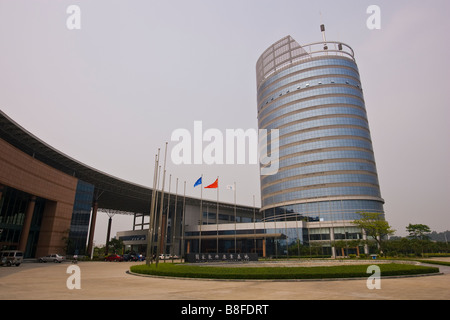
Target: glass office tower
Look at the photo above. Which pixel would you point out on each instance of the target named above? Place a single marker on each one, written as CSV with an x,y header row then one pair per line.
x,y
313,95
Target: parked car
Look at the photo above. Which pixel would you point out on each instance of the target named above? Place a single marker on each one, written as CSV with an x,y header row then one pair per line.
x,y
164,256
114,257
11,257
52,258
130,257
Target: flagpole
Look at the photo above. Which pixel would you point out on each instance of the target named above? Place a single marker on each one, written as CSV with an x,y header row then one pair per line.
x,y
235,235
174,226
254,221
155,219
217,227
152,211
164,239
158,245
182,226
217,217
264,238
287,235
214,185
156,209
201,216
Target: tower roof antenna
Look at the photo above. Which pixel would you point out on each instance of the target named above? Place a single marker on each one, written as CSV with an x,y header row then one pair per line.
x,y
322,29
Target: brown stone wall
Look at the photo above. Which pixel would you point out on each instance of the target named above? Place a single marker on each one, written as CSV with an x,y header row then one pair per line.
x,y
21,171
55,225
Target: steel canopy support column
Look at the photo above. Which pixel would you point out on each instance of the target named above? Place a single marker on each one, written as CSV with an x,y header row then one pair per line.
x,y
92,229
108,234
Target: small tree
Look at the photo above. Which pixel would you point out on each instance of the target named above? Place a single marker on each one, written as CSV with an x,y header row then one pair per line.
x,y
418,231
116,245
374,226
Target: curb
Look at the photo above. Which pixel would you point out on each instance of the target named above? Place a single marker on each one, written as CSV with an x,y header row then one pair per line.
x,y
282,280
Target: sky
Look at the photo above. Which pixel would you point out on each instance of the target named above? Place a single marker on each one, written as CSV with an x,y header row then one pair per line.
x,y
110,93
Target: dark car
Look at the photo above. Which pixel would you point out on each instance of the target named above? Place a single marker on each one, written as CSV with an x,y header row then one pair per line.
x,y
114,257
130,257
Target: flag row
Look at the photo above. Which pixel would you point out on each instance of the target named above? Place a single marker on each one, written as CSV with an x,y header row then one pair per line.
x,y
213,185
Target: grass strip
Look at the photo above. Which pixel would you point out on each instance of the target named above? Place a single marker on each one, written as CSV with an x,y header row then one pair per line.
x,y
270,273
442,263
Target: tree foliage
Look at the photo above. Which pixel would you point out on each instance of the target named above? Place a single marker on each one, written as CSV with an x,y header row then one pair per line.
x,y
374,226
115,245
418,231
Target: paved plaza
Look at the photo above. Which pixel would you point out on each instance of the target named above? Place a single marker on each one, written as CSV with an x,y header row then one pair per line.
x,y
110,280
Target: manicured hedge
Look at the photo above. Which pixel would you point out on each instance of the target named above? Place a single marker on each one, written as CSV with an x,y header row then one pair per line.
x,y
190,271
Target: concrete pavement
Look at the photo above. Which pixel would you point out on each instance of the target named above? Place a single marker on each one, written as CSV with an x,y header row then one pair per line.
x,y
110,280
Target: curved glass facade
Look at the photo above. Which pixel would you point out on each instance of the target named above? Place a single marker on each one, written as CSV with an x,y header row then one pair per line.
x,y
314,97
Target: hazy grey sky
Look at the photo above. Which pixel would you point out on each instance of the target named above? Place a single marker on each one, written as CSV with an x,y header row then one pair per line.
x,y
112,92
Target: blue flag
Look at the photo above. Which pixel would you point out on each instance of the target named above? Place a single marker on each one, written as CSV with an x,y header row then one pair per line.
x,y
199,181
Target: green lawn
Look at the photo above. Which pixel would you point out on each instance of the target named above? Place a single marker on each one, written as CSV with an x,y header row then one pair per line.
x,y
190,271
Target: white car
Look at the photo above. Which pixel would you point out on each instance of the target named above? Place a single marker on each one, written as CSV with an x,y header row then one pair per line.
x,y
52,258
11,257
164,256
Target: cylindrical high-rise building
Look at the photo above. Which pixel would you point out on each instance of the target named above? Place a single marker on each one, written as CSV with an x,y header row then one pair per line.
x,y
313,95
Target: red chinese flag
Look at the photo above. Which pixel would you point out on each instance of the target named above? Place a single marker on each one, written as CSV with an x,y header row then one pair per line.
x,y
214,185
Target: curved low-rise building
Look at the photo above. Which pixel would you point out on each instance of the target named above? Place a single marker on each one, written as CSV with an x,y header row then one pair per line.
x,y
49,202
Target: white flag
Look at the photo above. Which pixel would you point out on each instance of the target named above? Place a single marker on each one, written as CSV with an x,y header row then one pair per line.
x,y
230,187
